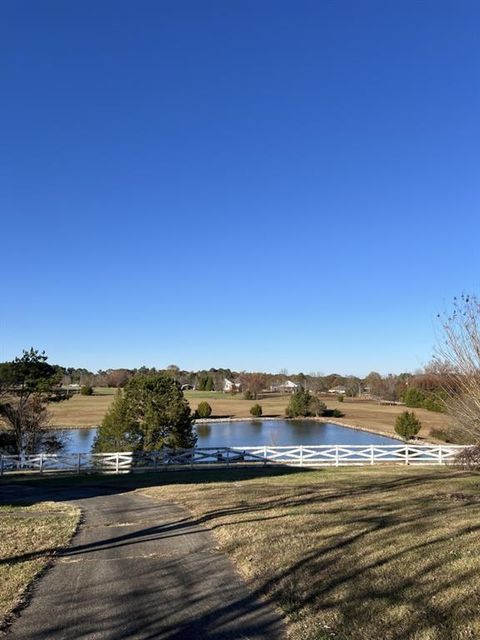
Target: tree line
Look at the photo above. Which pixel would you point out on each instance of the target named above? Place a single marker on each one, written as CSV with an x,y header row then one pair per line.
x,y
429,382
154,412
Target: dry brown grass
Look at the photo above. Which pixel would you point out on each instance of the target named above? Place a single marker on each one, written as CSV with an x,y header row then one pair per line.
x,y
28,538
85,411
80,411
370,554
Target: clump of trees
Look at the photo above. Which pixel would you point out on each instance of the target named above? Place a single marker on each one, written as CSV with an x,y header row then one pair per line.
x,y
27,383
205,383
204,410
305,404
150,414
416,397
407,425
256,411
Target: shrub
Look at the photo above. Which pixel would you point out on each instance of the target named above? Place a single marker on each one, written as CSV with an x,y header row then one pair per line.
x,y
440,434
340,398
248,395
407,425
336,413
469,457
256,410
434,402
299,405
204,410
414,397
86,390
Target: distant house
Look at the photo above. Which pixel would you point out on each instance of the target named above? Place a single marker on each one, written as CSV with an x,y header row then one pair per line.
x,y
339,391
231,385
285,387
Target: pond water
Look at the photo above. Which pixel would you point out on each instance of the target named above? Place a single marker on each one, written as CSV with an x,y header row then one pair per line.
x,y
252,433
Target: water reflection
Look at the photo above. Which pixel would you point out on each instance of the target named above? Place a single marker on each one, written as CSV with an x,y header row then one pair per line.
x,y
252,433
203,430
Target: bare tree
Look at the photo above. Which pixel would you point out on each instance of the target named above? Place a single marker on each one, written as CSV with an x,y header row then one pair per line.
x,y
458,359
118,377
253,382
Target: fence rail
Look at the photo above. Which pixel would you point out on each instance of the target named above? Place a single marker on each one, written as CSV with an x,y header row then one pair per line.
x,y
309,456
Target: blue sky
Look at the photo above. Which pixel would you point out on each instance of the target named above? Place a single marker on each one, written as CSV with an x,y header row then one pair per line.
x,y
259,185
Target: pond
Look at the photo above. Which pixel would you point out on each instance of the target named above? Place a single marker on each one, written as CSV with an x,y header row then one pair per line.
x,y
252,433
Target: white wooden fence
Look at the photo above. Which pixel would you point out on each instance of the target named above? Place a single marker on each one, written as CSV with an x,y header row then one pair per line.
x,y
309,456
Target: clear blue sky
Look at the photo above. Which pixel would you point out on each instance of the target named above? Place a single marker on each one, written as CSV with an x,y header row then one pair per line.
x,y
253,184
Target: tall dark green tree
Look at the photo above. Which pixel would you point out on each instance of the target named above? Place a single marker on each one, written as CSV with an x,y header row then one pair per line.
x,y
152,413
26,385
118,431
407,425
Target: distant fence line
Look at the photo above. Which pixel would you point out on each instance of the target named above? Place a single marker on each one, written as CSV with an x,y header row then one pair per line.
x,y
308,456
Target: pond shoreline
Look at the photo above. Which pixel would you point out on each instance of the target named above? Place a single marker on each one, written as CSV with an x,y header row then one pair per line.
x,y
323,420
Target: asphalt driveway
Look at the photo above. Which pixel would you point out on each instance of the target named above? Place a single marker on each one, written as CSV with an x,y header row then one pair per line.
x,y
140,569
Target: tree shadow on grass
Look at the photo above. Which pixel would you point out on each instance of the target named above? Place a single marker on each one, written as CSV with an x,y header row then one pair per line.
x,y
379,558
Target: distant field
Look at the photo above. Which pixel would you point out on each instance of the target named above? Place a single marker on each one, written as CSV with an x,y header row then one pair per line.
x,y
85,411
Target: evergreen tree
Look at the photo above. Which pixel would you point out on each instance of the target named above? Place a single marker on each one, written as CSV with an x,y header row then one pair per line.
x,y
407,425
118,431
151,414
204,410
299,405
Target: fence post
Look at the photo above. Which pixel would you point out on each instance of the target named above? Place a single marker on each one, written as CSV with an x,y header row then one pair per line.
x,y
440,454
336,456
406,454
117,463
41,463
372,455
264,455
301,455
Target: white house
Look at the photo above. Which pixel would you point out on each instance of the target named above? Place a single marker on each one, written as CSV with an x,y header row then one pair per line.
x,y
339,391
231,385
285,387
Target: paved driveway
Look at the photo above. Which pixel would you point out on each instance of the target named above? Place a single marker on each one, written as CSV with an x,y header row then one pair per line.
x,y
140,569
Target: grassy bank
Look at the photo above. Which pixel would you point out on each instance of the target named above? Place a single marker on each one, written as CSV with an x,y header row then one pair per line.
x,y
85,411
29,535
352,554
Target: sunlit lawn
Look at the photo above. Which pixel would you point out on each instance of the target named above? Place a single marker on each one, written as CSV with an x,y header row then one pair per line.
x,y
29,535
357,554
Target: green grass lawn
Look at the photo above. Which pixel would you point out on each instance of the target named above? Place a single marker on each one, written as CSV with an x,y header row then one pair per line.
x,y
352,554
203,395
29,535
